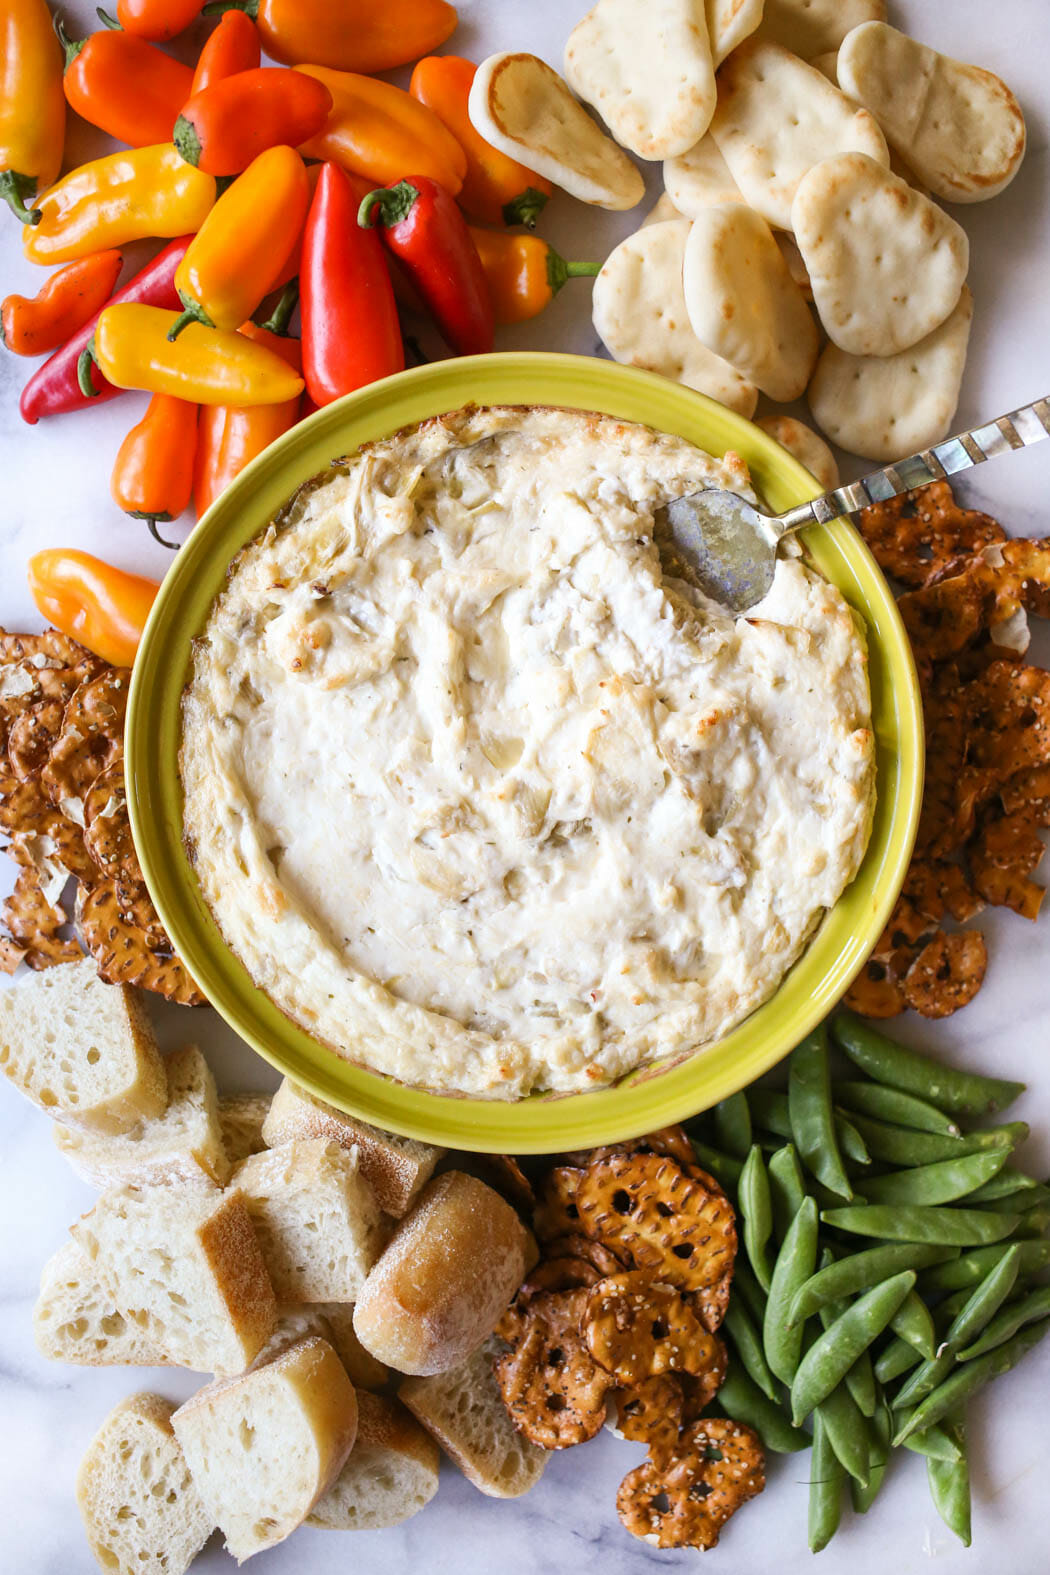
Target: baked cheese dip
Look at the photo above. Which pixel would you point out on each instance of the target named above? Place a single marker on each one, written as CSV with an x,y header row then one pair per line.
x,y
487,801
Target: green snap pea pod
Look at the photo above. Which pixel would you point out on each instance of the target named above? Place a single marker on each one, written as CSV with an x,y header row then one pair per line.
x,y
830,1357
732,1124
969,1267
951,1089
948,1227
860,1380
978,1310
946,1310
847,1432
850,1141
935,1443
944,1182
896,1359
747,1344
889,1104
879,1455
787,1187
1005,1325
741,1399
860,1270
905,1147
1009,1182
949,1482
723,1167
769,1110
745,1285
812,1116
914,1324
795,1263
756,1210
968,1377
826,1481
1025,1201
1032,1223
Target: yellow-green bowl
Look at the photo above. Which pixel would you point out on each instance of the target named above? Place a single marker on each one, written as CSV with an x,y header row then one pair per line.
x,y
644,1100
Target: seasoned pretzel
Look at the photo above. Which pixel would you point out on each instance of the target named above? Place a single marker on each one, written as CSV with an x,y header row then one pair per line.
x,y
1006,851
699,1389
35,924
551,1386
116,937
947,973
923,536
50,646
565,1273
935,888
649,1413
31,737
107,829
596,1253
646,1206
1027,793
637,1330
91,739
683,1500
556,1213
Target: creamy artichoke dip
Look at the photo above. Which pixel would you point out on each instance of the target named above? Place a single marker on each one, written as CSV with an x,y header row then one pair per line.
x,y
483,799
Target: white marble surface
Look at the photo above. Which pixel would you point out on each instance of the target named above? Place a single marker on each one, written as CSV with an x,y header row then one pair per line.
x,y
55,479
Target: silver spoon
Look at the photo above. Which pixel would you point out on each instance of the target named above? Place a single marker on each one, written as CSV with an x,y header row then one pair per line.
x,y
730,548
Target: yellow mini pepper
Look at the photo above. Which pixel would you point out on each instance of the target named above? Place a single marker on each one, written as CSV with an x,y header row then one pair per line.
x,y
241,249
32,103
124,197
207,366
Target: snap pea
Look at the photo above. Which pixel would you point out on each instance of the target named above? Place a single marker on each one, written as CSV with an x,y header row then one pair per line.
x,y
860,1270
969,1267
951,1089
847,1432
896,1359
850,1141
1006,1184
948,1227
787,1187
756,1211
1029,1309
879,1455
905,1147
968,1377
741,1399
723,1167
769,1109
747,1286
860,1380
826,1481
949,1482
975,1314
747,1344
812,1116
912,1322
830,1357
732,1123
890,1104
945,1182
1024,1201
935,1443
1032,1223
795,1263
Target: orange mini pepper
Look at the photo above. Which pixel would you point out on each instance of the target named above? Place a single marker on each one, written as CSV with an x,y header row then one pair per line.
x,y
152,476
157,20
234,46
524,274
243,245
91,601
496,189
351,35
379,131
225,126
65,303
32,105
124,86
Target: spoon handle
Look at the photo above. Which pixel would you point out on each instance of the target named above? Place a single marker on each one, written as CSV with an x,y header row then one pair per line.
x,y
1020,429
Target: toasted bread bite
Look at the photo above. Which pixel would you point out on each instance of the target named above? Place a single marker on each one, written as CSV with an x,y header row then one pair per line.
x,y
390,1475
76,1321
241,1118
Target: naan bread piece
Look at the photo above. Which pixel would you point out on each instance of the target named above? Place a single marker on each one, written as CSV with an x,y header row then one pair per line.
x,y
796,265
957,126
776,118
650,76
640,315
729,22
886,264
700,179
808,447
812,27
886,407
662,210
743,303
524,108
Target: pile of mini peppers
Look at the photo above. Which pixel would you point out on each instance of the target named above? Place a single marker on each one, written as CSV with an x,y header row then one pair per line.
x,y
310,184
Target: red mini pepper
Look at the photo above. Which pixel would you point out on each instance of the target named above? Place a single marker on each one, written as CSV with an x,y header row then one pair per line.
x,y
351,333
69,297
234,46
426,231
225,126
54,388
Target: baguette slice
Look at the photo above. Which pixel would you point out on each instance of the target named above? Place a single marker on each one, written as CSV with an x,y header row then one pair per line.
x,y
183,1265
75,1321
241,1118
365,1371
395,1168
318,1224
82,1050
464,1411
264,1448
141,1510
390,1475
184,1144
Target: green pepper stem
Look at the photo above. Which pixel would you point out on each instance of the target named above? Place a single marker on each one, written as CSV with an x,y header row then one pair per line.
x,y
394,204
107,20
281,316
186,140
525,208
151,525
559,271
85,361
220,7
14,189
71,46
193,313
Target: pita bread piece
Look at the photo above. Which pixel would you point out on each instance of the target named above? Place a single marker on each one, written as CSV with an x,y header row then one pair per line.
x,y
650,77
808,447
957,126
729,22
776,118
743,303
662,210
641,317
886,264
813,27
700,179
886,407
524,108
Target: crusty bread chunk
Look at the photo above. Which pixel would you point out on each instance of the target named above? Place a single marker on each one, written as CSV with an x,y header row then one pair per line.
x,y
395,1168
365,1372
183,1144
446,1276
390,1475
464,1411
141,1510
74,1320
183,1264
82,1050
318,1224
264,1448
241,1118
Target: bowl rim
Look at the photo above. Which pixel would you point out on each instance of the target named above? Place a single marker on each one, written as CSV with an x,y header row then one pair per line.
x,y
652,1096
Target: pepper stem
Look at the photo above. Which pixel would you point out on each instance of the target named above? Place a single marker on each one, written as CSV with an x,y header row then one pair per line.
x,y
281,316
559,271
14,190
186,140
151,525
220,8
72,46
193,313
394,204
525,208
107,20
85,361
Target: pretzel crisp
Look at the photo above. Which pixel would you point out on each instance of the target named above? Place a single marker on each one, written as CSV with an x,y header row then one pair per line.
x,y
107,829
556,1213
35,924
1006,851
682,1500
650,1413
92,737
116,937
552,1387
947,973
924,536
636,1330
